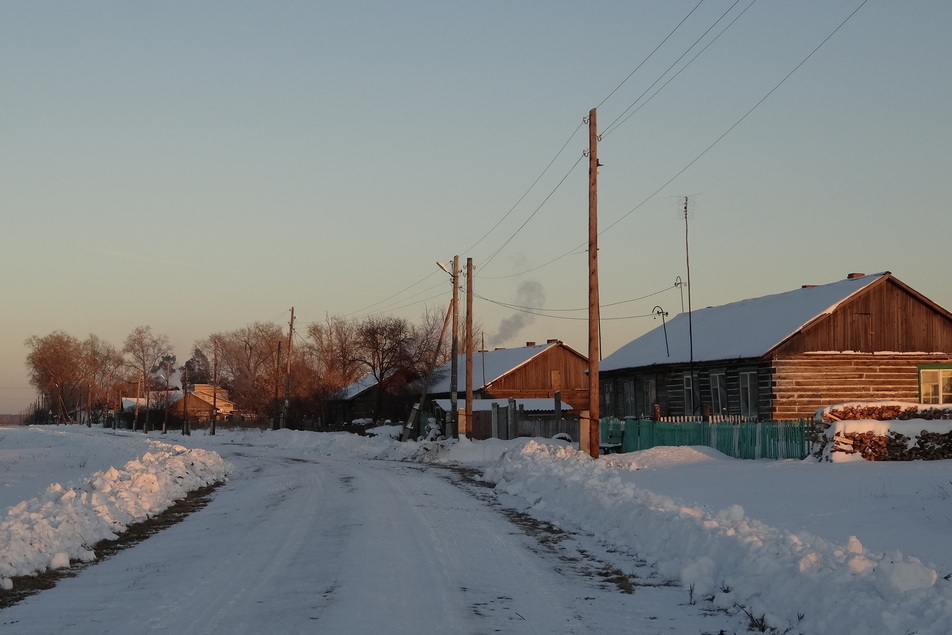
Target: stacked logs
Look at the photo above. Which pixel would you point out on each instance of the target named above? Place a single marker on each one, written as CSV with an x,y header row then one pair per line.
x,y
883,412
893,446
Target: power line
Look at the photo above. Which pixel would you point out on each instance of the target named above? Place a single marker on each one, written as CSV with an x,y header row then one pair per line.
x,y
612,125
619,121
532,215
697,158
743,117
655,50
546,311
526,193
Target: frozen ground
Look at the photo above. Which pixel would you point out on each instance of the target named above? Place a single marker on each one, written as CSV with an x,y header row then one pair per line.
x,y
334,532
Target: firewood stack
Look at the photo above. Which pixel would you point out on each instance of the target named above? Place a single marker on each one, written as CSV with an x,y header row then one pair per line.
x,y
892,446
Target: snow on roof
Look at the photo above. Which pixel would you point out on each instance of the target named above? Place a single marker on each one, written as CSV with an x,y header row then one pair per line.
x,y
479,405
487,367
359,386
748,328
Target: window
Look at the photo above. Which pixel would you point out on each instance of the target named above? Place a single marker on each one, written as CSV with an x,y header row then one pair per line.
x,y
719,392
935,384
689,394
628,397
608,399
749,406
649,396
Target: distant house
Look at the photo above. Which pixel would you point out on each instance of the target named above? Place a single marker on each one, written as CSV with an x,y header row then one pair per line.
x,y
780,357
199,403
534,371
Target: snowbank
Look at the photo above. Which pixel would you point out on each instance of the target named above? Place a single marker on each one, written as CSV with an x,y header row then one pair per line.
x,y
62,525
796,581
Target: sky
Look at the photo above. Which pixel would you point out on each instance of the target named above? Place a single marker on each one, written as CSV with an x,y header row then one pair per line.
x,y
197,167
857,547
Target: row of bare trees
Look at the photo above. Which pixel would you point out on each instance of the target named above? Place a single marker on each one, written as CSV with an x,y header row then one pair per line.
x,y
90,376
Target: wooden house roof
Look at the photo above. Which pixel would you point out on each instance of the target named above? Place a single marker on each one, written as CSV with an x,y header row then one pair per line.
x,y
787,322
489,366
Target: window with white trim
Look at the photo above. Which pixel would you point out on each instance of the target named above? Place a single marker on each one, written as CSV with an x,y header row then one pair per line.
x,y
749,401
935,385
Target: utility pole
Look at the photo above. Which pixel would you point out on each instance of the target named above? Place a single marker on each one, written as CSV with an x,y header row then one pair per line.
x,y
687,259
593,314
453,432
185,430
287,374
469,346
275,415
168,374
214,389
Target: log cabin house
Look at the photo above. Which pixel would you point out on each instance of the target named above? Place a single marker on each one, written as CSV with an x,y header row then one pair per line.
x,y
534,371
783,356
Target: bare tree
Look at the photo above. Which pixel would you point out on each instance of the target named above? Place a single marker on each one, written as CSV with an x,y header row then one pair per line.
x,y
247,359
102,368
55,367
332,350
144,351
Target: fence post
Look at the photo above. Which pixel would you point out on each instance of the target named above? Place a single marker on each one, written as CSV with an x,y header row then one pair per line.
x,y
758,438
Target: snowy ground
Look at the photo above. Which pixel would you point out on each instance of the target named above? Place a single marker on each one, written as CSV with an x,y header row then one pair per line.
x,y
813,547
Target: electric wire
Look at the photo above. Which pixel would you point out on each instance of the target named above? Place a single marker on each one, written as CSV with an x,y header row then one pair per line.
x,y
738,122
655,50
585,308
619,121
611,126
526,193
582,246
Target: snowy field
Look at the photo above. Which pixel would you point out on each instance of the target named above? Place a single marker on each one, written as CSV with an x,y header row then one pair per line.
x,y
851,547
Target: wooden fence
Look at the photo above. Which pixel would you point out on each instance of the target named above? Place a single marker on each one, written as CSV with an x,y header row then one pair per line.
x,y
739,439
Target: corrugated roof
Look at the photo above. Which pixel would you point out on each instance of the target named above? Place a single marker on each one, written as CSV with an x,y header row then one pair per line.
x,y
744,329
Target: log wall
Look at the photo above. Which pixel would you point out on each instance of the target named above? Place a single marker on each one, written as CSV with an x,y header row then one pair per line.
x,y
803,383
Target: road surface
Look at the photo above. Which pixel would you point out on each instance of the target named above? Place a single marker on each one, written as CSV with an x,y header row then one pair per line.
x,y
298,543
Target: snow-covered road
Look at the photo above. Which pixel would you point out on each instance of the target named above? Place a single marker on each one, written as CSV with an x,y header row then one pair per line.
x,y
296,543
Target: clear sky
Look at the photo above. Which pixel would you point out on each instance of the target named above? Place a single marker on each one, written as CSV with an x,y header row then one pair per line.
x,y
199,166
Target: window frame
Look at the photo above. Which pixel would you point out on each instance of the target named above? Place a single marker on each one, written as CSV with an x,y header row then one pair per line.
x,y
719,399
942,384
749,393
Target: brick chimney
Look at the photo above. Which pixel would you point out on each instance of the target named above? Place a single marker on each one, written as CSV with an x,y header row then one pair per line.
x,y
530,343
853,276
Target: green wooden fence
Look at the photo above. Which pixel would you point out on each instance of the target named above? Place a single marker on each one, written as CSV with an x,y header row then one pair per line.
x,y
743,440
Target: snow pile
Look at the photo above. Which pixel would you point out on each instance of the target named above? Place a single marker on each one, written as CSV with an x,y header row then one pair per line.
x,y
796,581
62,525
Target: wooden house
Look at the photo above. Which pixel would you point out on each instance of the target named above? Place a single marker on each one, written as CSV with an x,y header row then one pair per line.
x,y
780,357
533,371
199,403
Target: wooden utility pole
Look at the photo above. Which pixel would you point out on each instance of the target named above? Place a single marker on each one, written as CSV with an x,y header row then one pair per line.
x,y
593,314
185,430
453,432
168,376
287,374
275,414
469,346
214,388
